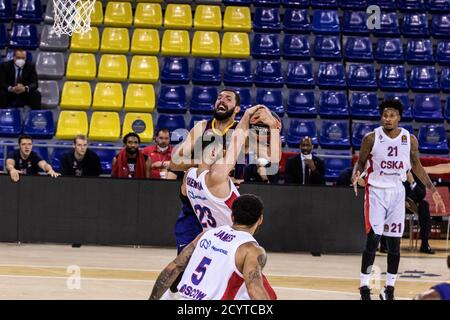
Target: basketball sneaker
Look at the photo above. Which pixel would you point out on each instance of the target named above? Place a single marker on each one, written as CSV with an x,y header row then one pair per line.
x,y
387,293
365,293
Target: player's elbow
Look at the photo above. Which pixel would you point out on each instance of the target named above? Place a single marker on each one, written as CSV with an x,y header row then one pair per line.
x,y
257,292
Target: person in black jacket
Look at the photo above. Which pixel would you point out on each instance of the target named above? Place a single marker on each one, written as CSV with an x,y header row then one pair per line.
x,y
19,83
81,161
305,168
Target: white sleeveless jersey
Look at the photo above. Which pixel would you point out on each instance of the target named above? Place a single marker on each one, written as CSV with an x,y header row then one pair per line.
x,y
211,273
389,160
211,211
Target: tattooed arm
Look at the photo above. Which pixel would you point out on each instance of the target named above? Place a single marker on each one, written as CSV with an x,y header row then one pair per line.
x,y
364,152
423,176
173,269
254,262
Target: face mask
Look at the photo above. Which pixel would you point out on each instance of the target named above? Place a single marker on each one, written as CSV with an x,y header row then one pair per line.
x,y
160,149
20,63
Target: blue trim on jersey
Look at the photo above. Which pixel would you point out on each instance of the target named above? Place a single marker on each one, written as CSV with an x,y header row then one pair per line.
x,y
443,289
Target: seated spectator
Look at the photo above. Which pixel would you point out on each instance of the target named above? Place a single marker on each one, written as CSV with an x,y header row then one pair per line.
x,y
80,161
25,161
19,83
160,155
305,168
131,163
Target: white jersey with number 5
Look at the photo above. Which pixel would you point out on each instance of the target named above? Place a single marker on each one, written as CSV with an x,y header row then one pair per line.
x,y
390,159
211,211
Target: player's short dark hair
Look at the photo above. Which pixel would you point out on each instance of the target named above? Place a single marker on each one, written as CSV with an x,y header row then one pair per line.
x,y
24,136
79,137
247,209
162,130
236,95
393,104
131,134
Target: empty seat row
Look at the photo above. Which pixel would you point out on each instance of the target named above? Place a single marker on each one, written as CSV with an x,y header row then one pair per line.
x,y
27,11
38,123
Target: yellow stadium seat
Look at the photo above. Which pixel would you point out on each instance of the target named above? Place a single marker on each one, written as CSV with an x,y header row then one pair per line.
x,y
140,98
70,124
176,43
235,45
144,69
145,41
85,42
118,14
97,14
157,1
104,126
208,18
115,40
81,66
113,67
140,123
148,15
76,95
108,97
178,16
237,19
206,44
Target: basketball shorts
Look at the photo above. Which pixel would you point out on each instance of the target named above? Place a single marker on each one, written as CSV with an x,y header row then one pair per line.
x,y
187,228
384,210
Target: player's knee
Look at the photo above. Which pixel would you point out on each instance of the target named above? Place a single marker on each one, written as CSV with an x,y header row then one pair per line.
x,y
393,245
372,242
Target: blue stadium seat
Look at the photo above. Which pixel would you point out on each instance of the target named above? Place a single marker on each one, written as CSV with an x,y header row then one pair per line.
x,y
393,78
389,26
203,100
334,167
415,25
266,46
266,20
4,152
3,37
360,129
333,105
327,48
364,106
325,22
273,99
295,3
424,79
445,80
246,98
238,72
206,72
296,21
175,70
354,23
106,155
447,110
55,157
300,75
39,124
266,3
300,128
172,99
354,5
440,26
437,6
28,11
42,152
389,50
427,108
324,4
334,134
404,99
10,123
362,77
296,47
198,117
358,49
237,2
383,4
172,122
10,55
24,36
331,76
6,14
301,104
433,139
407,126
420,52
443,52
268,74
411,5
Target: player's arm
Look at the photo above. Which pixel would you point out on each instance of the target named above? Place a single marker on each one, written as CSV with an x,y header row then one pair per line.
x,y
48,169
423,176
366,147
173,269
254,262
181,158
148,167
428,295
441,168
10,167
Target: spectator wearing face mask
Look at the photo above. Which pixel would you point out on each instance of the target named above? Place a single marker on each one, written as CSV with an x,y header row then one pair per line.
x,y
160,155
19,83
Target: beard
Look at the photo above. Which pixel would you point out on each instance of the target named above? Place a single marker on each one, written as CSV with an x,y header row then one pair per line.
x,y
132,151
223,115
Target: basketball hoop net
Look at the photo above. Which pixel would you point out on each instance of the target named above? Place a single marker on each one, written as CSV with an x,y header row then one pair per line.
x,y
72,16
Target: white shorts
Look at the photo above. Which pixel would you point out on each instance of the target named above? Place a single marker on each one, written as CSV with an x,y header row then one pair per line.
x,y
384,210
